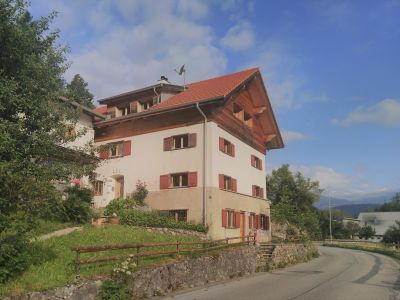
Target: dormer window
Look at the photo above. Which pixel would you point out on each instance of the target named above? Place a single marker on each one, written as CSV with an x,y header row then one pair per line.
x,y
146,105
125,110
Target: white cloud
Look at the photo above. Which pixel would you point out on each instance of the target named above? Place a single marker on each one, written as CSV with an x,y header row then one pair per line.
x,y
293,136
132,55
385,112
239,37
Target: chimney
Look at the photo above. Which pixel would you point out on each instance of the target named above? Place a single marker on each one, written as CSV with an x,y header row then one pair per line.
x,y
163,80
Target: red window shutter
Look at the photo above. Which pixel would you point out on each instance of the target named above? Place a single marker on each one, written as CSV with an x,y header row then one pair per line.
x,y
233,150
266,222
261,166
253,190
252,159
250,222
104,154
258,222
234,185
192,140
126,148
224,218
164,182
261,192
168,142
221,181
237,219
221,144
254,221
192,179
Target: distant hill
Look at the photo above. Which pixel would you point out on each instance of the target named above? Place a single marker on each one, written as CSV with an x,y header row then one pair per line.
x,y
324,202
354,209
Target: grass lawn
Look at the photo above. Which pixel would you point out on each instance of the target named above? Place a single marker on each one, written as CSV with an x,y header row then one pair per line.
x,y
45,226
54,266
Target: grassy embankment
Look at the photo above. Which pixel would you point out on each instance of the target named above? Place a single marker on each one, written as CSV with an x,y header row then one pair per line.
x,y
54,259
378,248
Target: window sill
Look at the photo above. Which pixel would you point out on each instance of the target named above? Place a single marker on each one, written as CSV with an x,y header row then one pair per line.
x,y
231,155
117,156
181,148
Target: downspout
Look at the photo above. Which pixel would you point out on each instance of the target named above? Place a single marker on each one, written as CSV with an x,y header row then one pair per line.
x,y
204,164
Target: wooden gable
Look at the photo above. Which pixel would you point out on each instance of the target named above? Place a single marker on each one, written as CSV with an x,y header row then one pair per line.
x,y
248,116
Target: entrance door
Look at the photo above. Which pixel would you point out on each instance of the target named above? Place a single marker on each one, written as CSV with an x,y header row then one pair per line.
x,y
119,187
242,225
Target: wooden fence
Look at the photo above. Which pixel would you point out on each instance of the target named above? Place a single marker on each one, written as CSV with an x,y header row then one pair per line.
x,y
177,249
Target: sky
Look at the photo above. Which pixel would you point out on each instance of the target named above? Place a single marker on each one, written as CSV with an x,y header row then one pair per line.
x,y
331,69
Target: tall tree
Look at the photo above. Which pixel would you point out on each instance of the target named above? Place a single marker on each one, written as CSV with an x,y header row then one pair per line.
x,y
77,90
32,118
292,197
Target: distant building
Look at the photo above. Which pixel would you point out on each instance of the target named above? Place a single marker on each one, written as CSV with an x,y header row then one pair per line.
x,y
380,221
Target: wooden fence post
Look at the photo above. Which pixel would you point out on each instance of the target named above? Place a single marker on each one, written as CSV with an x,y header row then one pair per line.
x,y
77,261
137,257
177,248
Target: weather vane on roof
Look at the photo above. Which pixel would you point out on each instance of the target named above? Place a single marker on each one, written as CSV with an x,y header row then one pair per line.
x,y
182,71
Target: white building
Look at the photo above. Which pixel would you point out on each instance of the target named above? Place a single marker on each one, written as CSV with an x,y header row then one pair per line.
x,y
200,149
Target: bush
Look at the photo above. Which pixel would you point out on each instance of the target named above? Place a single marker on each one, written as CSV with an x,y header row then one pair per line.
x,y
140,193
118,205
77,205
136,217
113,290
14,257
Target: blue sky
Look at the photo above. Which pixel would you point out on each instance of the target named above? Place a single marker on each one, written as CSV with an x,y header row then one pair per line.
x,y
331,69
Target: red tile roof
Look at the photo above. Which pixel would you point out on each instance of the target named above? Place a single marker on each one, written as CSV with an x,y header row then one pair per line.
x,y
208,89
101,109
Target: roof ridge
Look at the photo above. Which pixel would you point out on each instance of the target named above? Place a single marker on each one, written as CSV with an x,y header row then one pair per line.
x,y
226,75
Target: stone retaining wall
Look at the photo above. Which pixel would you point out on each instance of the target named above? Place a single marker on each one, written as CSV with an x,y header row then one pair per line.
x,y
286,254
193,272
174,231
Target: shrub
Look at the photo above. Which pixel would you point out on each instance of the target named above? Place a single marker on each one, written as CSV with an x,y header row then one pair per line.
x,y
117,205
77,205
14,257
136,217
113,290
141,192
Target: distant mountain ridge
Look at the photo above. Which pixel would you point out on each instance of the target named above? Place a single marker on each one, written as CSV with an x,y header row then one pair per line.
x,y
354,206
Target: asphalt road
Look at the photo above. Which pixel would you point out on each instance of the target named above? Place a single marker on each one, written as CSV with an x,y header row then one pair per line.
x,y
338,274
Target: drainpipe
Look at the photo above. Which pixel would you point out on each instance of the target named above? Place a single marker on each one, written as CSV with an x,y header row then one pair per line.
x,y
204,164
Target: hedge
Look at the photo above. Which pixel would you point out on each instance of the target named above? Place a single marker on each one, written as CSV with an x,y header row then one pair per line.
x,y
135,217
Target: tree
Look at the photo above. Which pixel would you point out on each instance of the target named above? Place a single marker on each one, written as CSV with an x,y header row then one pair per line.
x,y
392,235
292,199
77,91
393,205
32,118
353,228
366,232
301,191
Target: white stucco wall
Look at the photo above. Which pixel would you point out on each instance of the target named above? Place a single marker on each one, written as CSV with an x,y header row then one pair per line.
x,y
238,167
148,161
83,125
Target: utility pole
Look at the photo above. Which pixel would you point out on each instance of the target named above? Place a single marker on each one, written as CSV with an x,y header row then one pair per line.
x,y
330,218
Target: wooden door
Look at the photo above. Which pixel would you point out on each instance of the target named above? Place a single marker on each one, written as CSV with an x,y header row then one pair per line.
x,y
119,187
242,224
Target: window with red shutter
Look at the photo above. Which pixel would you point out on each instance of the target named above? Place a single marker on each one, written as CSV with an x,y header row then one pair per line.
x,y
237,219
221,181
253,190
221,144
258,222
104,154
164,182
192,179
168,143
224,218
192,140
234,185
232,150
126,148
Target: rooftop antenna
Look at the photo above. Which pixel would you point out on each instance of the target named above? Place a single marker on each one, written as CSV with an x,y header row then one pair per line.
x,y
182,71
